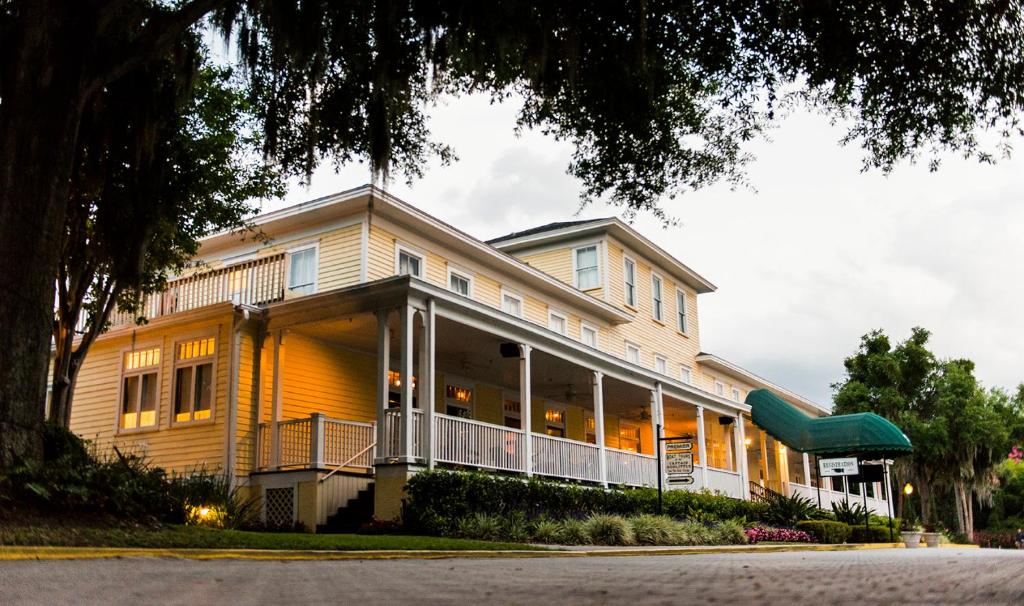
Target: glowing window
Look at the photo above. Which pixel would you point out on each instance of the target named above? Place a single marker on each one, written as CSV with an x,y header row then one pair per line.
x,y
140,389
193,380
554,422
458,401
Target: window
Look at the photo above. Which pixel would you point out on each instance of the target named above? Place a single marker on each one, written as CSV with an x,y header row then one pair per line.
x,y
458,401
140,389
588,335
719,388
302,271
395,390
459,284
685,374
632,353
586,268
557,322
656,310
554,422
681,310
629,437
513,414
512,304
193,380
660,365
735,395
590,429
408,263
629,276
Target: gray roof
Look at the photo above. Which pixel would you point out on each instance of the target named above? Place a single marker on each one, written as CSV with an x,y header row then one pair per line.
x,y
541,229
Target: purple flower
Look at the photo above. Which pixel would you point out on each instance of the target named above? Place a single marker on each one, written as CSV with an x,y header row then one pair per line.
x,y
760,534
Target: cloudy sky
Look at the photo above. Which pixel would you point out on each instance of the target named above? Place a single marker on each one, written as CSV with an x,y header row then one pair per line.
x,y
814,255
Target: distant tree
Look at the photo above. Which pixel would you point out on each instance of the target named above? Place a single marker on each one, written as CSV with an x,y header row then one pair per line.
x,y
658,98
128,226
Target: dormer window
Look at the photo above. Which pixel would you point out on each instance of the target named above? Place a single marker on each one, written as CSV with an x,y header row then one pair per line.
x,y
587,275
302,270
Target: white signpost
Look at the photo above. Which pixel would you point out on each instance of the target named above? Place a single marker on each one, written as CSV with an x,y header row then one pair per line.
x,y
679,462
846,466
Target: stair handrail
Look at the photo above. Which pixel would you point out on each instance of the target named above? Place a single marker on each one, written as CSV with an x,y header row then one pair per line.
x,y
346,463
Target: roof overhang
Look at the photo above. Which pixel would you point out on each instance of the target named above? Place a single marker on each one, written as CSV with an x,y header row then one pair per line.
x,y
724,366
620,231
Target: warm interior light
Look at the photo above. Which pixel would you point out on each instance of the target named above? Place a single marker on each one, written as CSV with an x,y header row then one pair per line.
x,y
908,489
748,441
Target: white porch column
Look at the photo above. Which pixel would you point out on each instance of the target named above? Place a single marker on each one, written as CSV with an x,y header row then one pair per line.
x,y
599,426
658,419
741,456
765,478
525,415
316,440
807,470
426,383
383,365
702,448
276,401
406,315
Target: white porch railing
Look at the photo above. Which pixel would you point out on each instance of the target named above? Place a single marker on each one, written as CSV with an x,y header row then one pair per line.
x,y
317,442
562,458
726,482
630,468
466,442
256,282
393,432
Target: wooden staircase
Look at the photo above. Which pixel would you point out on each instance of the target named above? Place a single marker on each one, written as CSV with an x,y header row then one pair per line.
x,y
352,515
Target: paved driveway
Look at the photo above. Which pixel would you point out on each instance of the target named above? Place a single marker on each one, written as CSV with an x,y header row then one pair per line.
x,y
853,577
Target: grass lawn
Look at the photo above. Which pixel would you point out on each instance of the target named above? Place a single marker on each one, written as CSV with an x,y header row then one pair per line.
x,y
190,537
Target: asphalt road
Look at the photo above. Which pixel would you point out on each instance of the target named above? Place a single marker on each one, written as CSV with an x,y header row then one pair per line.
x,y
936,576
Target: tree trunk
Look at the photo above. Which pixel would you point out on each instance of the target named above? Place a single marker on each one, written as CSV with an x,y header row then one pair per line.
x,y
39,117
964,513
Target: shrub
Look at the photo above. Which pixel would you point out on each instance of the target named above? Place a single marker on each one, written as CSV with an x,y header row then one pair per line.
x,y
693,533
761,534
787,511
849,512
210,500
547,531
573,532
872,534
516,528
481,526
728,533
609,530
654,530
826,531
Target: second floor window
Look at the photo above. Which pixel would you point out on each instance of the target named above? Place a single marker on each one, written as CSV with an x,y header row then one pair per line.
x,y
632,353
719,388
629,274
458,284
735,395
302,271
193,380
557,323
656,299
409,264
586,268
686,374
588,334
512,304
660,365
681,310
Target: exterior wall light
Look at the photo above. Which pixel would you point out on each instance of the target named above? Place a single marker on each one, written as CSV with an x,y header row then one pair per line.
x,y
908,489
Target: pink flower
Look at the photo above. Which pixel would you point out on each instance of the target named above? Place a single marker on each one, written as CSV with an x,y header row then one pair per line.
x,y
1016,454
760,534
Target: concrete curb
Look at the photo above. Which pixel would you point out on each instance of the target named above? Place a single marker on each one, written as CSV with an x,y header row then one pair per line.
x,y
18,553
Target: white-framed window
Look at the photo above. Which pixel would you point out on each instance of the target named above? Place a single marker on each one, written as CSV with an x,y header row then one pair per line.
x,y
629,437
660,365
629,281
719,388
513,416
194,383
140,389
460,282
735,395
585,267
302,266
554,421
409,262
681,323
657,303
685,374
558,322
458,400
588,335
632,353
511,303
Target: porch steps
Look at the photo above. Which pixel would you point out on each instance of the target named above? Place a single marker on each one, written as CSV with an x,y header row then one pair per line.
x,y
352,515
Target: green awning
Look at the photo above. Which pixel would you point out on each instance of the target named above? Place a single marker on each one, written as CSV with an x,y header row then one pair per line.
x,y
861,433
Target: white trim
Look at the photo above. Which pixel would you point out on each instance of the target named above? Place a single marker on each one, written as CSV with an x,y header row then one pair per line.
x,y
686,368
564,317
465,275
315,247
195,362
639,353
719,388
657,304
606,278
685,329
736,394
596,245
364,249
626,261
664,365
255,247
597,334
401,247
718,363
513,295
122,374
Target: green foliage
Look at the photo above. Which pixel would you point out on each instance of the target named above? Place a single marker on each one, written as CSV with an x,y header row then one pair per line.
x,y
654,530
546,532
573,532
872,534
728,532
234,507
517,528
610,530
825,531
787,511
693,533
849,512
481,526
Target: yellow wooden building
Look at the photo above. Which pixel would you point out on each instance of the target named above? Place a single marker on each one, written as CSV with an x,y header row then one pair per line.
x,y
367,340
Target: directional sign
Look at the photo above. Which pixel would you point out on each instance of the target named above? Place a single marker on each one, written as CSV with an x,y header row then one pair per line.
x,y
678,459
680,479
846,466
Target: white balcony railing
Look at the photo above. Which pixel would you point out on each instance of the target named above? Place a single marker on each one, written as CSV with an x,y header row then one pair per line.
x,y
466,442
317,442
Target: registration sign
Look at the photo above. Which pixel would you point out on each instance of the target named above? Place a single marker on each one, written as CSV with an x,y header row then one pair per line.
x,y
846,466
678,459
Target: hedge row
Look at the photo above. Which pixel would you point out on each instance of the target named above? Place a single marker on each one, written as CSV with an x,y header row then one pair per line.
x,y
838,532
437,499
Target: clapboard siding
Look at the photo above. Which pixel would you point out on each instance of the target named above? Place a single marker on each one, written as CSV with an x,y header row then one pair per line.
x,y
340,258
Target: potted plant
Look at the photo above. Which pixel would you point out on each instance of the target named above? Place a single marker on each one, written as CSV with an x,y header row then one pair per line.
x,y
932,535
910,532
